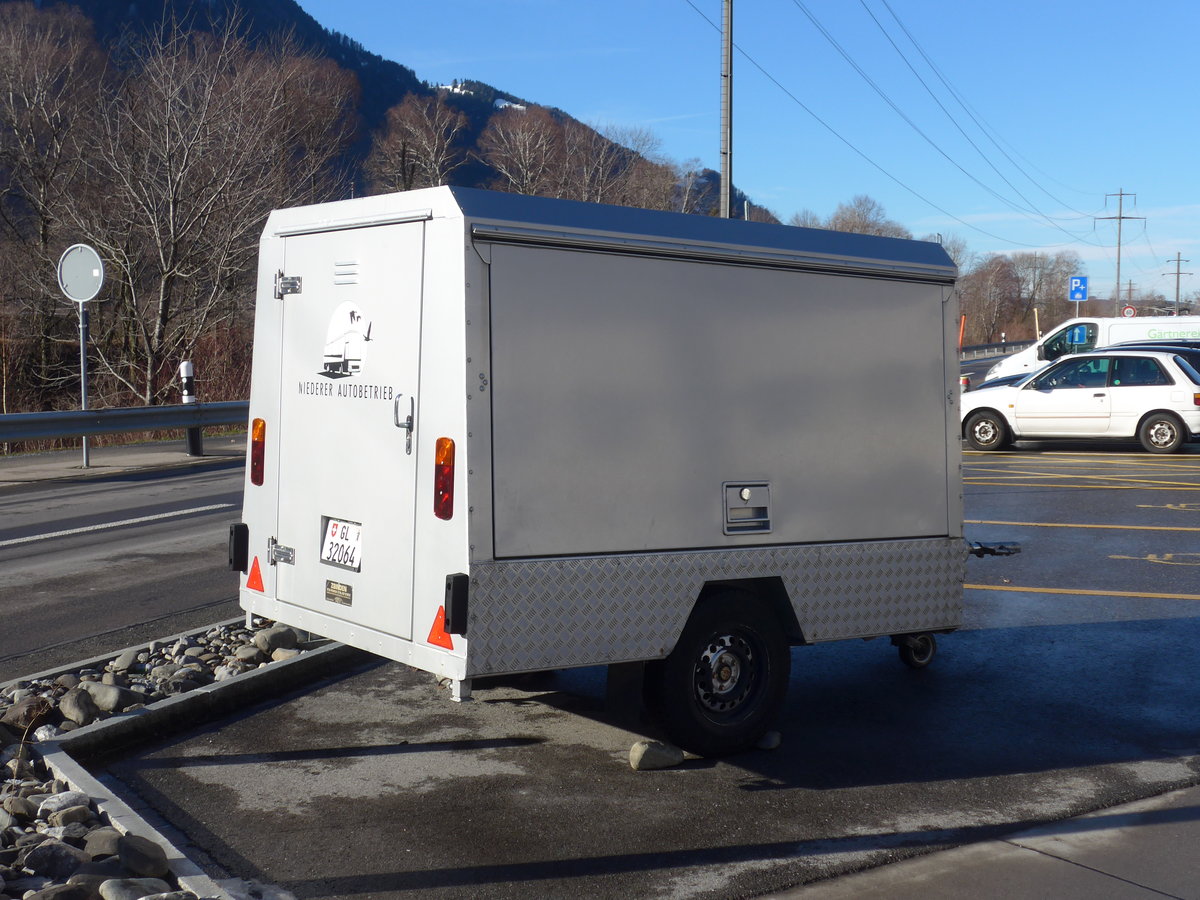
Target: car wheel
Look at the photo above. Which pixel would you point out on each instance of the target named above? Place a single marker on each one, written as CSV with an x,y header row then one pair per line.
x,y
1161,433
986,431
723,685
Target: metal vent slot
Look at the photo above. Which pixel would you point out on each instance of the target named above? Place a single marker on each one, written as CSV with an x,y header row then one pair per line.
x,y
345,272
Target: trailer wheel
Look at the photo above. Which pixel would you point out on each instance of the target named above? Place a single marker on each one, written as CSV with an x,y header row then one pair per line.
x,y
917,650
724,683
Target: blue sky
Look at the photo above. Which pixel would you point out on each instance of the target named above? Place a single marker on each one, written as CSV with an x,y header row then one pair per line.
x,y
1066,101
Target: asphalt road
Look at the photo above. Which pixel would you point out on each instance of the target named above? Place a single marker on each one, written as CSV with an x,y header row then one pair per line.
x,y
103,563
1072,687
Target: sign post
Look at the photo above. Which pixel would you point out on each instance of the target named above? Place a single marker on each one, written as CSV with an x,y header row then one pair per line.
x,y
80,275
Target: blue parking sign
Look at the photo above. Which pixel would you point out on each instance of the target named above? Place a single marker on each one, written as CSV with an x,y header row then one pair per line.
x,y
1077,289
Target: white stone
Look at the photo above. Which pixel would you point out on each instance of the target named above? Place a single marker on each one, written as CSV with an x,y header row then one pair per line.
x,y
770,741
55,802
646,755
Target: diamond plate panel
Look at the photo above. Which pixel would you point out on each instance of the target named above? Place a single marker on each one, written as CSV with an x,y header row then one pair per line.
x,y
557,613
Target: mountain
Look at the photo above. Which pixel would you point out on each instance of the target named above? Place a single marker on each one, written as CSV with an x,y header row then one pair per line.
x,y
383,83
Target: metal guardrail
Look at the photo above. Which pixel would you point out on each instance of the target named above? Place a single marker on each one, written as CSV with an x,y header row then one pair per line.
x,y
76,423
984,350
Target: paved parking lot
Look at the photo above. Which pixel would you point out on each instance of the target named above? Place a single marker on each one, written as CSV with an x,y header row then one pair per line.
x,y
1072,687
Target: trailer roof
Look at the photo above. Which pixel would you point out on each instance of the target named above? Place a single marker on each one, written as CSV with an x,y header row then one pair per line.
x,y
750,239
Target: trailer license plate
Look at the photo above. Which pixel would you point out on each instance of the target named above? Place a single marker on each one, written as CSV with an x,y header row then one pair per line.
x,y
342,544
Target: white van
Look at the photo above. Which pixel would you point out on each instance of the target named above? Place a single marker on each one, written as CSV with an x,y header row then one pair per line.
x,y
1079,335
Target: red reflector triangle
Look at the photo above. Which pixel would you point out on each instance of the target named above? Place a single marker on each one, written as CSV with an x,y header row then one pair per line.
x,y
437,634
254,582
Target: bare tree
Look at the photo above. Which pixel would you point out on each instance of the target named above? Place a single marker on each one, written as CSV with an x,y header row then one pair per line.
x,y
417,147
989,299
863,215
200,139
523,146
1042,284
806,218
49,68
689,183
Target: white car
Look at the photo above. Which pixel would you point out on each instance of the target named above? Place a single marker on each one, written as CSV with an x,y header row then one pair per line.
x,y
1111,394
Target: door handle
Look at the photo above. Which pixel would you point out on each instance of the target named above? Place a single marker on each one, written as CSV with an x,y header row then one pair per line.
x,y
407,424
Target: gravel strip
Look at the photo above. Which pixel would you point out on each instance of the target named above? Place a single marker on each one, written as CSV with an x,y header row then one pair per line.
x,y
63,836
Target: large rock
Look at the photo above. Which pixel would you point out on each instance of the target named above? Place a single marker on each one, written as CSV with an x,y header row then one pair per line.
x,y
102,842
70,815
55,860
142,856
56,802
63,892
19,807
78,706
109,697
27,714
132,888
275,638
125,661
249,655
646,755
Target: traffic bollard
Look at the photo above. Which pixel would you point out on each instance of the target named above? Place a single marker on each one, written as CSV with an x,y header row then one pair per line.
x,y
195,441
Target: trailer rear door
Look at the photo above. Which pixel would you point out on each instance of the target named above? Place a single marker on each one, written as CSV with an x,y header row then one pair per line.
x,y
349,373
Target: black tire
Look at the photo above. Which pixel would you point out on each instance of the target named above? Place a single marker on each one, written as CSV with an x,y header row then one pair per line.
x,y
917,650
986,430
1162,433
725,681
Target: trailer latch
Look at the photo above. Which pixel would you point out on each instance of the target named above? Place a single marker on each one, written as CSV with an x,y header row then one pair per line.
x,y
277,553
287,284
1004,548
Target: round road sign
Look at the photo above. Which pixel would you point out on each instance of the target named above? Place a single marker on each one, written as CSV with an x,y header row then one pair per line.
x,y
80,273
1128,312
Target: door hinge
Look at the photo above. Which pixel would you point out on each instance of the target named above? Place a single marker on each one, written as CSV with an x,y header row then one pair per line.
x,y
277,553
286,284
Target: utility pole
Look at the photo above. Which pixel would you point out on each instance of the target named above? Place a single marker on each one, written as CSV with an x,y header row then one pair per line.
x,y
1178,263
726,108
1129,294
1120,217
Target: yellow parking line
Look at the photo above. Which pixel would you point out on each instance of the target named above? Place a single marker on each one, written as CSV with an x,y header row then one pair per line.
x,y
1079,592
1169,486
1063,476
1071,525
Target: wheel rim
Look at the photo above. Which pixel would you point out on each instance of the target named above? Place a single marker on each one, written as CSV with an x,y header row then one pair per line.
x,y
985,431
922,649
1162,433
726,674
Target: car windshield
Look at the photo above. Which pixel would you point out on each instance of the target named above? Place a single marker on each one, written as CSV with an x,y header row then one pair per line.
x,y
1188,369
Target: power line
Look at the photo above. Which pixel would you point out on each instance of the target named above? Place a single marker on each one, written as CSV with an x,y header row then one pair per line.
x,y
833,131
983,127
1029,210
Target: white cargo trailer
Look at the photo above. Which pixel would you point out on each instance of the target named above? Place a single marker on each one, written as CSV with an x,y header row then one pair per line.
x,y
575,435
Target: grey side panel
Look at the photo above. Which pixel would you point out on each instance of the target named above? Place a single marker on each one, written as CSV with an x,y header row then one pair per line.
x,y
557,613
627,391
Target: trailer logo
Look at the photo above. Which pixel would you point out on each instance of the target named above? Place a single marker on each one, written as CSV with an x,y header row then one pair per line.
x,y
345,341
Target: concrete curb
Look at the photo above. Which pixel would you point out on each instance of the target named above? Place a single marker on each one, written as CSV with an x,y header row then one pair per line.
x,y
161,718
205,702
122,817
